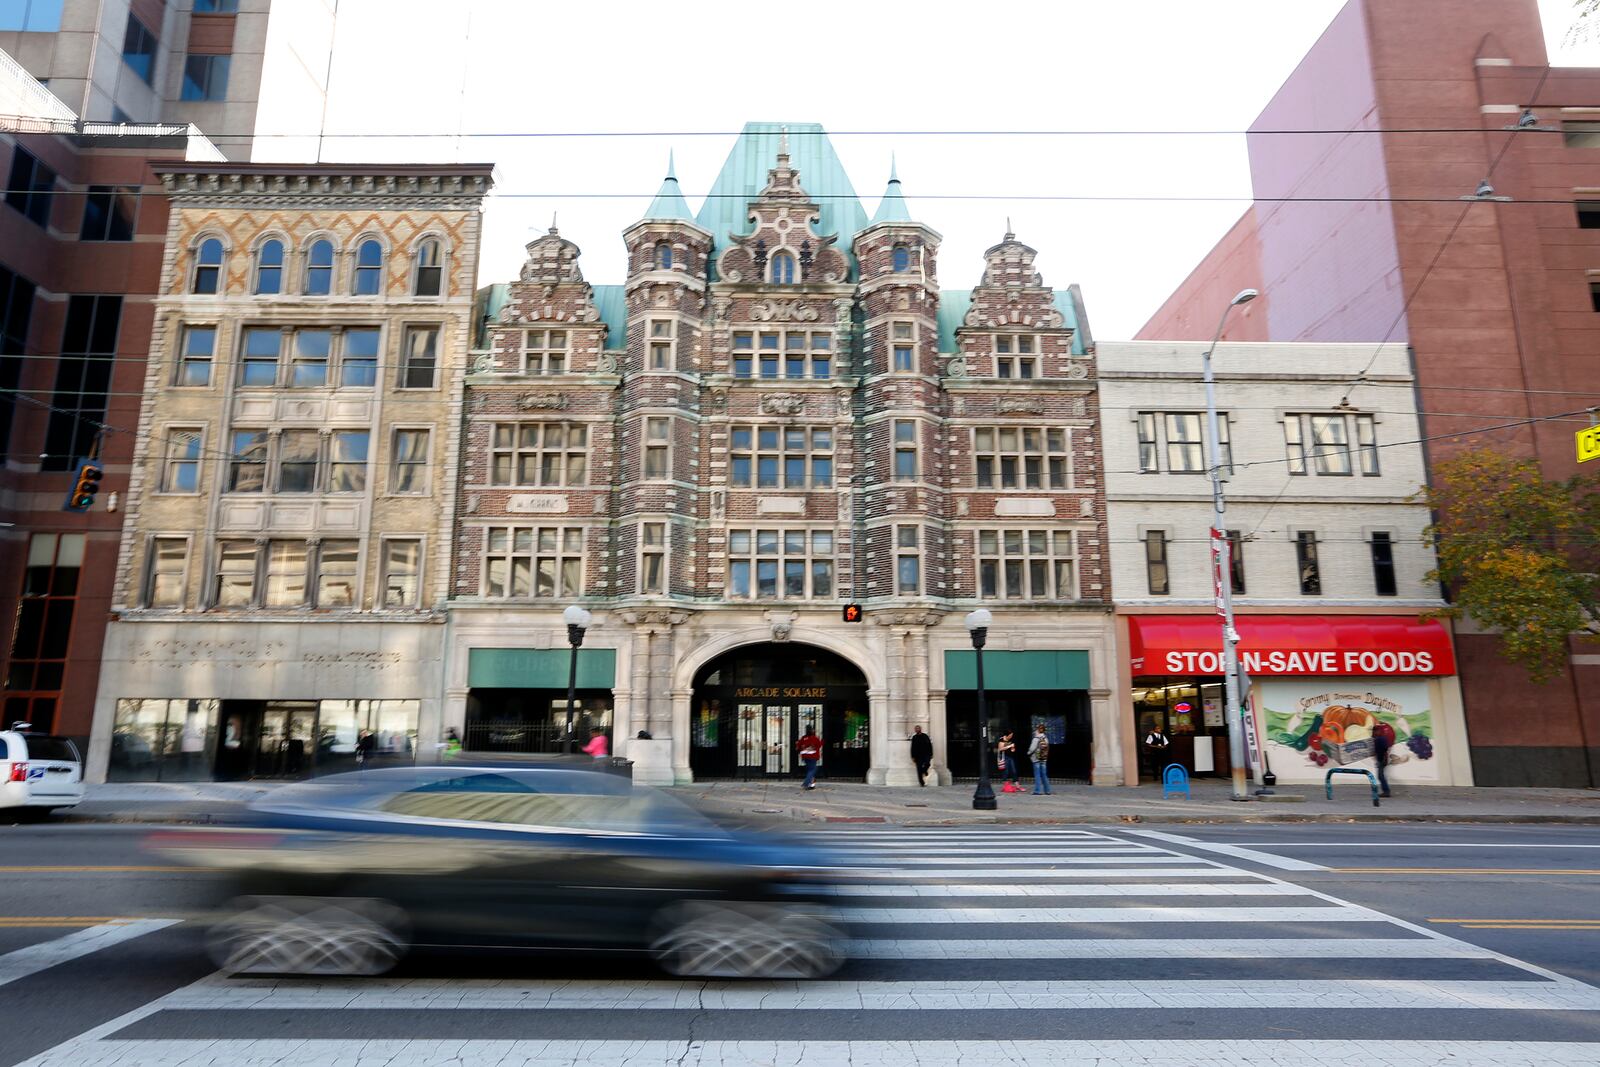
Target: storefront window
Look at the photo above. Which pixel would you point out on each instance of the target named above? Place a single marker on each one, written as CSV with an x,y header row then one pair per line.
x,y
163,741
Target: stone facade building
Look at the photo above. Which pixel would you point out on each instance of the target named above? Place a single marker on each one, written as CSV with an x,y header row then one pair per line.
x,y
282,580
779,414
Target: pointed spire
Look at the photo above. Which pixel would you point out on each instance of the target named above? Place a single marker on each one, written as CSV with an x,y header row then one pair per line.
x,y
669,202
1010,235
892,208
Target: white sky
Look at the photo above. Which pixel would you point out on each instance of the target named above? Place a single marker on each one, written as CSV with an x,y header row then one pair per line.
x,y
519,66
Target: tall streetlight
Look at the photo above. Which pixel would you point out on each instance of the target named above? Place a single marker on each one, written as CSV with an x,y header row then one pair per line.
x,y
1222,566
577,621
978,626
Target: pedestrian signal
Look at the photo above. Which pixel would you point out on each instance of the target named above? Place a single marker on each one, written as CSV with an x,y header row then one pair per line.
x,y
852,613
88,484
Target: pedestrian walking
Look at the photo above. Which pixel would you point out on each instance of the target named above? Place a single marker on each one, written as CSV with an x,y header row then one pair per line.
x,y
921,753
1006,758
1382,742
365,743
1039,753
810,749
598,747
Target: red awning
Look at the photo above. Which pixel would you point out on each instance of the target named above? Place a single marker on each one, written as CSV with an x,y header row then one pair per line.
x,y
1292,644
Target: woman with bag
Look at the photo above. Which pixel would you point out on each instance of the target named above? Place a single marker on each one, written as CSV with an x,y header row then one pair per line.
x,y
1006,761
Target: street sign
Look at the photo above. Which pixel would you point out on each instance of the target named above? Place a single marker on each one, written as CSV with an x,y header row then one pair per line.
x,y
1218,541
1589,444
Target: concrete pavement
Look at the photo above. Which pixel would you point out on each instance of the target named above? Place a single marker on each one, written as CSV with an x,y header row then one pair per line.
x,y
1209,802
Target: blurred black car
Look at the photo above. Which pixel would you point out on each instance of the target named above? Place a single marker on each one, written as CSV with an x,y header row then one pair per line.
x,y
344,874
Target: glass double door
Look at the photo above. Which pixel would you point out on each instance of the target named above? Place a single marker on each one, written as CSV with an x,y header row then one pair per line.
x,y
768,736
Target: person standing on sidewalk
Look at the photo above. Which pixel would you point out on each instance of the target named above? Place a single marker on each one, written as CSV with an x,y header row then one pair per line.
x,y
810,749
1006,752
1156,744
921,753
1039,753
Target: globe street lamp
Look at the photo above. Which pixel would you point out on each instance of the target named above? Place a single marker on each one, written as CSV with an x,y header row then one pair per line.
x,y
1222,567
577,621
978,626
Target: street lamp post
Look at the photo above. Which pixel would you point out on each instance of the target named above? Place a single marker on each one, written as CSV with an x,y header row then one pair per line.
x,y
978,626
1221,557
577,621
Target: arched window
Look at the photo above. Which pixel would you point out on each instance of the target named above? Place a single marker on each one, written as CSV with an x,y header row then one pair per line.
x,y
430,268
269,267
208,266
369,268
782,268
663,256
901,258
319,268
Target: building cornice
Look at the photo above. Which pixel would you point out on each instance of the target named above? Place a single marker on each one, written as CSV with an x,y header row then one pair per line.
x,y
441,187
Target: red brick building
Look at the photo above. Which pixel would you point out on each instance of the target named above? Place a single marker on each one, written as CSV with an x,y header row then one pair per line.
x,y
1372,229
782,413
82,232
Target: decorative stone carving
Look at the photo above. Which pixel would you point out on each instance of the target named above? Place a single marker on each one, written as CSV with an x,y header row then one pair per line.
x,y
719,401
963,505
719,503
782,626
844,505
484,364
599,505
907,618
1086,508
606,362
843,399
1077,370
537,401
783,404
721,308
783,311
972,317
956,366
1019,405
655,618
474,501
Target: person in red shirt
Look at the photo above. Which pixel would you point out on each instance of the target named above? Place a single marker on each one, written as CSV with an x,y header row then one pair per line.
x,y
810,750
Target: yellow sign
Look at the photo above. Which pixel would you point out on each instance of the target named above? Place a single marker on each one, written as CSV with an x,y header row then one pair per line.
x,y
1589,444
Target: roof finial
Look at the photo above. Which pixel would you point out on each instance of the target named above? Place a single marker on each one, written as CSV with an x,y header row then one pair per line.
x,y
894,175
552,222
672,166
1009,235
783,141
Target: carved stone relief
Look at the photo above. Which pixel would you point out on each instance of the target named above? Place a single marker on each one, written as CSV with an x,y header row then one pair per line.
x,y
783,404
1016,405
783,311
537,401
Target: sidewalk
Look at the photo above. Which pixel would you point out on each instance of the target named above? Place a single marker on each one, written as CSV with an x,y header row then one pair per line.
x,y
833,802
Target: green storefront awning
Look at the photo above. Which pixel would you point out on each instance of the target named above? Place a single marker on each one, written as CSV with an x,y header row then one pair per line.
x,y
1017,670
540,668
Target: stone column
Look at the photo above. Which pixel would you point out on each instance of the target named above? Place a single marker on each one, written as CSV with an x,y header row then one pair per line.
x,y
939,729
680,736
1104,721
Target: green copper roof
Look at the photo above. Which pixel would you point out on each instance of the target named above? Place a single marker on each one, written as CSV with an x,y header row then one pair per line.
x,y
612,302
953,305
892,208
727,207
669,202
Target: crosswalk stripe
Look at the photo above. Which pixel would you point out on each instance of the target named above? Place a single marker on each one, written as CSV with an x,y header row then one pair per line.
x,y
1027,850
1019,859
1071,889
597,1052
630,995
1159,948
1057,874
1242,914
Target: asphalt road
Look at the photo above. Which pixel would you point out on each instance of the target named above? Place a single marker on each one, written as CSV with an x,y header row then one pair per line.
x,y
1527,894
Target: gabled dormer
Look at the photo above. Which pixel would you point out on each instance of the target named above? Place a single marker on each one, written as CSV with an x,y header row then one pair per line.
x,y
783,247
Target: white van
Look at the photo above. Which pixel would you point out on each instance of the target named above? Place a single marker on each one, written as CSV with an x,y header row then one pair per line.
x,y
39,772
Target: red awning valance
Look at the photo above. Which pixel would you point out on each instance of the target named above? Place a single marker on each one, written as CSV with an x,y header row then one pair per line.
x,y
1292,644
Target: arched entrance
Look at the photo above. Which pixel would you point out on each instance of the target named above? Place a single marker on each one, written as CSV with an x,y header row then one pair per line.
x,y
751,704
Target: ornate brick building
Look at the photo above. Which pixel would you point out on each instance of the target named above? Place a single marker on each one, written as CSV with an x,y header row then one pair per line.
x,y
780,413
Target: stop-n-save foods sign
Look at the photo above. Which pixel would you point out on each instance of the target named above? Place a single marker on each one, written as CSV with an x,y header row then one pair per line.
x,y
1332,645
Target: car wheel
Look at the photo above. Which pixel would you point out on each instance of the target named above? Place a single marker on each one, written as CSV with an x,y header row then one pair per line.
x,y
708,939
309,935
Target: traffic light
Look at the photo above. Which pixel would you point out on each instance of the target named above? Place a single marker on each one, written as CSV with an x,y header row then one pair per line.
x,y
852,613
88,484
